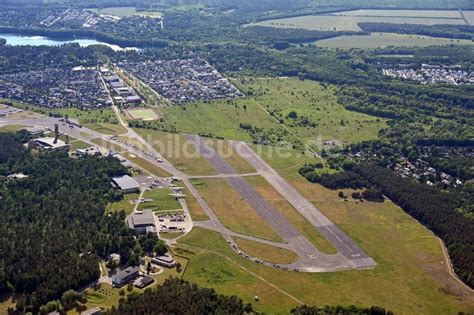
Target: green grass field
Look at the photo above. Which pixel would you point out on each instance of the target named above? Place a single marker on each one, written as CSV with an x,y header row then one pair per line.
x,y
195,210
226,151
291,214
376,40
125,204
410,278
162,200
178,151
319,116
219,118
350,22
11,128
234,212
308,99
410,261
105,128
267,253
145,114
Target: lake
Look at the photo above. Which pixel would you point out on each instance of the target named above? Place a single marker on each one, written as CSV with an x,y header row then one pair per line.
x,y
18,40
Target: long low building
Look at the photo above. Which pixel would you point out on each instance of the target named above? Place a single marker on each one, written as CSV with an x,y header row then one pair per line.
x,y
125,276
126,184
48,144
164,260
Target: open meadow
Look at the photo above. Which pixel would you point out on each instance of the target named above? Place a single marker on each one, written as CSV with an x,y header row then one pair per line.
x,y
234,212
178,151
160,200
264,115
411,276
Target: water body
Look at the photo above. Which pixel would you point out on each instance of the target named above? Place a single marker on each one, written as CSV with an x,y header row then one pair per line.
x,y
18,40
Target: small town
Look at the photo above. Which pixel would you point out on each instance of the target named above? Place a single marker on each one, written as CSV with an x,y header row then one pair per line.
x,y
75,18
56,88
433,74
183,80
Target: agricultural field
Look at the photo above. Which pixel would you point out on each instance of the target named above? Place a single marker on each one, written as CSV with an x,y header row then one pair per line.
x,y
162,201
449,14
234,212
350,22
376,40
178,151
142,113
469,15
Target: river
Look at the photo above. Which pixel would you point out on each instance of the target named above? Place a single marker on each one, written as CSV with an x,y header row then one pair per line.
x,y
19,40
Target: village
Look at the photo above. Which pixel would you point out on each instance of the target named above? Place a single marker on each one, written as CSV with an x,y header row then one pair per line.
x,y
56,88
183,80
433,74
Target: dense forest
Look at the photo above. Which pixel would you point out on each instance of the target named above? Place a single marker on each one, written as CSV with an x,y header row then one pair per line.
x,y
446,31
176,296
53,225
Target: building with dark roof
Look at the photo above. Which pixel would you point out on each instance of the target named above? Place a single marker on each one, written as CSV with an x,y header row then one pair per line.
x,y
125,276
144,282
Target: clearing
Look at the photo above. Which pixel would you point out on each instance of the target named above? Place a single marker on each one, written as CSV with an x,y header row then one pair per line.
x,y
234,212
348,21
161,200
178,151
126,204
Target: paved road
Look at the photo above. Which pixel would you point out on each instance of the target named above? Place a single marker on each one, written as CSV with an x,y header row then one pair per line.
x,y
343,243
311,259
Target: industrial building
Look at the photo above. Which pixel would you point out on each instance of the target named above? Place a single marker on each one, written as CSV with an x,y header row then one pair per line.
x,y
125,276
126,184
48,143
165,261
142,222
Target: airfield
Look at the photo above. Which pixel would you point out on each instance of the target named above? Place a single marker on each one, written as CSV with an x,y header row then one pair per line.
x,y
313,240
